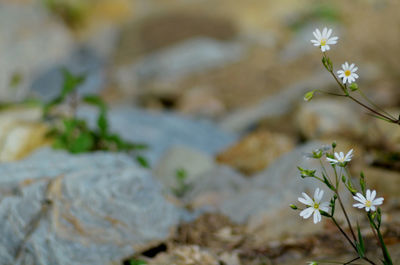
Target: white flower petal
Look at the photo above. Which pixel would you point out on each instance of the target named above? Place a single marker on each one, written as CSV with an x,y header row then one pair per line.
x,y
373,195
359,197
368,197
304,201
324,206
306,213
317,216
378,201
318,33
328,34
319,193
359,205
307,198
324,31
334,161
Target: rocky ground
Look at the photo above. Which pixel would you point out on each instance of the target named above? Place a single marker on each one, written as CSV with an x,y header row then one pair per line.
x,y
215,88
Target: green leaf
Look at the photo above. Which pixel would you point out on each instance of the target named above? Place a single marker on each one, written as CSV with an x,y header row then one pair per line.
x,y
142,161
102,123
181,174
95,101
71,82
83,143
360,243
16,80
362,182
137,262
327,182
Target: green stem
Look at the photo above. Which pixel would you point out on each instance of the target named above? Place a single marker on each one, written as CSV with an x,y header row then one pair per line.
x,y
346,216
344,234
385,251
373,104
345,91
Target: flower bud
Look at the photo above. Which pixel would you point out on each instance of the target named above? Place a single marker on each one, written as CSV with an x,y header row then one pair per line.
x,y
309,95
353,87
294,207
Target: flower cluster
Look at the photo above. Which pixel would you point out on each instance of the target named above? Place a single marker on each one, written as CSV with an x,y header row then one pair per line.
x,y
323,40
364,198
315,206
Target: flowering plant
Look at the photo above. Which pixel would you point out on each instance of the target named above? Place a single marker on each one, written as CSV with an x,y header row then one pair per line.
x,y
345,78
364,198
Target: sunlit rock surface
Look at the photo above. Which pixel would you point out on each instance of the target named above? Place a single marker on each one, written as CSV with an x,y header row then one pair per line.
x,y
85,209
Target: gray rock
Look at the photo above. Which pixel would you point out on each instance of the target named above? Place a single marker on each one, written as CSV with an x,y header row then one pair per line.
x,y
164,130
84,209
329,118
181,157
31,40
180,60
286,101
275,188
277,105
215,186
83,61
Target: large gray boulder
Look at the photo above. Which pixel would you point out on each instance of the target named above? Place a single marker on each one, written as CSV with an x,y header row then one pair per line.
x,y
98,208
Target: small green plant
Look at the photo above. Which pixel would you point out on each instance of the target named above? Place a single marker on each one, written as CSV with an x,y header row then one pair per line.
x,y
182,186
137,262
72,133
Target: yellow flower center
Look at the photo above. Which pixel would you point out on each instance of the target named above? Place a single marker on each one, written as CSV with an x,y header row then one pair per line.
x,y
347,73
323,42
316,206
368,203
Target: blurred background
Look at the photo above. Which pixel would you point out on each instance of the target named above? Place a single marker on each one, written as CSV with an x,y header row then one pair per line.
x,y
211,82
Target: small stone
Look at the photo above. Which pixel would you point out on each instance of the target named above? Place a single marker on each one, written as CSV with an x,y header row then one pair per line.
x,y
200,101
326,117
186,255
21,132
256,151
193,162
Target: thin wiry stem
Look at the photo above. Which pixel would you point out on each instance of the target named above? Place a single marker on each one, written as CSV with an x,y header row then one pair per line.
x,y
351,261
345,91
373,104
344,234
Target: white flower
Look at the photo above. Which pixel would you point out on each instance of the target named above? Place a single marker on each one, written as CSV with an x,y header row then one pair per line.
x,y
324,40
348,73
315,205
368,202
341,159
